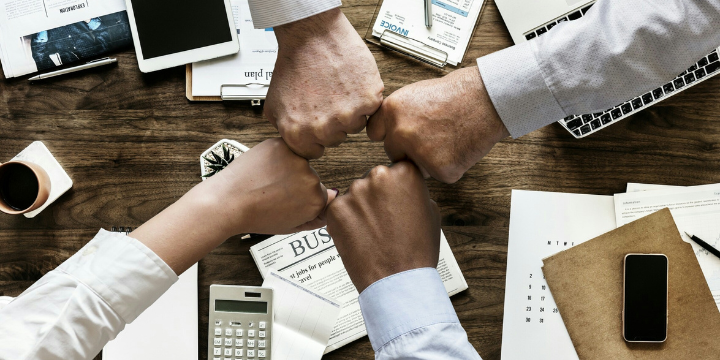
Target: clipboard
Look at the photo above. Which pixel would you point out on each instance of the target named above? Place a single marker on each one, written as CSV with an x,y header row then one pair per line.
x,y
417,50
256,92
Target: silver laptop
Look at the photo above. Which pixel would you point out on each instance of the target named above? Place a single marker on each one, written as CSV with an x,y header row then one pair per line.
x,y
529,19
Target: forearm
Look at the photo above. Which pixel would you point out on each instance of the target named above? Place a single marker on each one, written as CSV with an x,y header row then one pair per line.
x,y
619,50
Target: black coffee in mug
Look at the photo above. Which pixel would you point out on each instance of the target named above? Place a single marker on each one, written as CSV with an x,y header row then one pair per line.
x,y
19,186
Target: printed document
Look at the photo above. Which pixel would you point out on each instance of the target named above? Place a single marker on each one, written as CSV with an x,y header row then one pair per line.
x,y
542,224
247,72
309,258
696,210
452,25
37,35
303,319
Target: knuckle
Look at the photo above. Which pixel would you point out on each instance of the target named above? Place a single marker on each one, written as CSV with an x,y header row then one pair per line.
x,y
358,186
379,172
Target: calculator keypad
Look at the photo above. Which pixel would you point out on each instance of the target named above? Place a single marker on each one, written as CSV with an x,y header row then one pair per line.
x,y
240,344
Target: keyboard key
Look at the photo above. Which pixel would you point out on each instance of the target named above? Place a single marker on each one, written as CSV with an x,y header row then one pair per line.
x,y
595,124
551,25
228,342
530,36
251,333
228,352
561,19
217,358
712,67
251,353
702,62
238,352
574,16
217,341
261,325
679,83
228,332
585,129
218,331
616,113
682,73
626,108
261,334
690,78
574,124
605,119
577,132
239,342
713,57
692,68
261,344
597,114
540,31
657,93
238,332
217,351
647,98
637,103
668,88
585,9
587,118
569,117
261,354
251,343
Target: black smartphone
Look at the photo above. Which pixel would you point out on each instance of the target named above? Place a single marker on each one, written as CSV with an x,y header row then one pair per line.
x,y
645,298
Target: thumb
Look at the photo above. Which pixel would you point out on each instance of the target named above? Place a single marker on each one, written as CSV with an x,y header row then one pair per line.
x,y
376,124
331,195
321,219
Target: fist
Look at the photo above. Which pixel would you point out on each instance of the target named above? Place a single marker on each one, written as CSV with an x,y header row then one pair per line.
x,y
443,125
385,224
324,85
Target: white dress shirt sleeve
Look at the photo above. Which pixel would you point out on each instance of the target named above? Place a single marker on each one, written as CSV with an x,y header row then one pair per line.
x,y
618,51
74,310
409,316
271,13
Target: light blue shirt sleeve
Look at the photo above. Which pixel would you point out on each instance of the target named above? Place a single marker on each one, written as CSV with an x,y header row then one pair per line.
x,y
409,316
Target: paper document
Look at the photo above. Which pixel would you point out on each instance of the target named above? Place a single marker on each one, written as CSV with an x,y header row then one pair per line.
x,y
310,258
453,22
168,329
542,224
246,72
303,319
38,35
696,210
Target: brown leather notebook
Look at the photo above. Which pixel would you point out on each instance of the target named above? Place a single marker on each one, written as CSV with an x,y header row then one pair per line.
x,y
586,282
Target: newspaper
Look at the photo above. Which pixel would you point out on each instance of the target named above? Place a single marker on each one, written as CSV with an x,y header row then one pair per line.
x,y
37,35
310,258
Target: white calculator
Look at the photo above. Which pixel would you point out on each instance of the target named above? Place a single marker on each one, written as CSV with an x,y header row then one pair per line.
x,y
240,323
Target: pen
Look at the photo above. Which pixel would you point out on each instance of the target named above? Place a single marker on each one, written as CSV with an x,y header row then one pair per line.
x,y
705,245
428,13
89,65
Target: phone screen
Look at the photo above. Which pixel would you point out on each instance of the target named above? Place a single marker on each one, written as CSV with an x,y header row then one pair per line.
x,y
645,309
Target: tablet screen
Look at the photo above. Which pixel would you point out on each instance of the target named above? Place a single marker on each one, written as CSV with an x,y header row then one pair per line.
x,y
167,27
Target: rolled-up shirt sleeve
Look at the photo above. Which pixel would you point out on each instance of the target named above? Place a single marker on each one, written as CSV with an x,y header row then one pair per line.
x,y
618,51
271,13
409,316
74,310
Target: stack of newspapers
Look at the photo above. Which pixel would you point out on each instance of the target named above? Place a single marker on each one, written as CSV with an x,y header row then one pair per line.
x,y
311,259
38,35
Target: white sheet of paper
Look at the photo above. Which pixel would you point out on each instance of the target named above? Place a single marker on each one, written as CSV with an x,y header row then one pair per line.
x,y
168,329
254,64
542,224
696,210
303,319
452,26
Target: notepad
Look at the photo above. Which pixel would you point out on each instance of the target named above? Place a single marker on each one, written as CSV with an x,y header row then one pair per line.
x,y
303,319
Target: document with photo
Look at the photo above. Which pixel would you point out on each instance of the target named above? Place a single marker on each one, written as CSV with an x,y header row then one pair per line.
x,y
310,258
37,35
453,22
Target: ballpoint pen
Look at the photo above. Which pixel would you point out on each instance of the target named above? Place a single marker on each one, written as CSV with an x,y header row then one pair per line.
x,y
705,245
89,65
428,13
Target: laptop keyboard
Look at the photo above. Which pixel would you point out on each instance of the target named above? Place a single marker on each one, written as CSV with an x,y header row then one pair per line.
x,y
586,124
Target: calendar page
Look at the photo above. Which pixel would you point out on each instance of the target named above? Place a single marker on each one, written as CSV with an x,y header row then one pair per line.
x,y
542,224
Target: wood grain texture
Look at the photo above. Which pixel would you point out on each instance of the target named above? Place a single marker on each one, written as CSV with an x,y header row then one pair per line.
x,y
131,142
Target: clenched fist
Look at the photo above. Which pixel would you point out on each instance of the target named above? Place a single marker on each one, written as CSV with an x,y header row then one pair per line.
x,y
444,125
324,85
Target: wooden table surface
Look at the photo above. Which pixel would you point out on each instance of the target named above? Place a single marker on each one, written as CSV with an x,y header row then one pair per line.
x,y
131,141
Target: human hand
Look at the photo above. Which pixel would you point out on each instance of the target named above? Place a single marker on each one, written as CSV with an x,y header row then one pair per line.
x,y
324,84
385,224
443,125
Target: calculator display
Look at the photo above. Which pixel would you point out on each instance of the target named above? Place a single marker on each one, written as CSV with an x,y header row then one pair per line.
x,y
248,307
